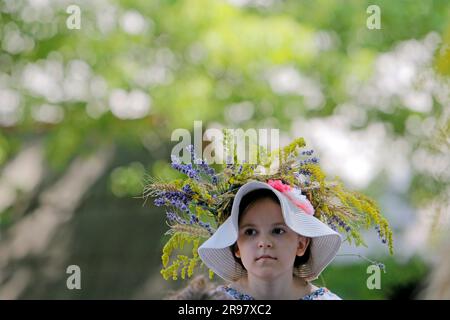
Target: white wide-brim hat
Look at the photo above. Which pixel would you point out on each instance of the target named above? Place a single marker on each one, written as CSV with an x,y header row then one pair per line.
x,y
325,242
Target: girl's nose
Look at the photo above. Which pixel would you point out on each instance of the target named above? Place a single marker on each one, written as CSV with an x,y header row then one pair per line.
x,y
264,243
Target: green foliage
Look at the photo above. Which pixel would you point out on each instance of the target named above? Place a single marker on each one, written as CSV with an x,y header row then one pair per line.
x,y
349,281
4,149
127,180
187,265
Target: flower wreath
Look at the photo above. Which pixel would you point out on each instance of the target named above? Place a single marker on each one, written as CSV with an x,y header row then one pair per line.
x,y
198,204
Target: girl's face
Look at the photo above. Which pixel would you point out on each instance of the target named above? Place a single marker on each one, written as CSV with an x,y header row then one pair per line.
x,y
266,245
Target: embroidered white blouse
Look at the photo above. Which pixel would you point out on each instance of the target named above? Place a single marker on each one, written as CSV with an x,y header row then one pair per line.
x,y
319,294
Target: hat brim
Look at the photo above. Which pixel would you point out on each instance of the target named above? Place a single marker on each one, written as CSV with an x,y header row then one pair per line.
x,y
325,242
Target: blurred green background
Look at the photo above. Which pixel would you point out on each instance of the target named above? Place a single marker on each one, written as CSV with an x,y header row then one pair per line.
x,y
86,113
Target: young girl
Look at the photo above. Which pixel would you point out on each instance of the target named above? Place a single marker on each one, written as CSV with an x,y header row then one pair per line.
x,y
271,240
271,246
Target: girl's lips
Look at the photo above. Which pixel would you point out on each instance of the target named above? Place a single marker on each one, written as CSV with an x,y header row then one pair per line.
x,y
265,257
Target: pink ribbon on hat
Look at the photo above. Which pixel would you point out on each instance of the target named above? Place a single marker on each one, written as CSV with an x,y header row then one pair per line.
x,y
294,195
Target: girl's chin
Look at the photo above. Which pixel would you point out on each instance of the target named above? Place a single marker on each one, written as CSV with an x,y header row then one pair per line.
x,y
266,273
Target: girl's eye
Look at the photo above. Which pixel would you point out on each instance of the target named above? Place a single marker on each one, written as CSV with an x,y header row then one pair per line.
x,y
278,231
250,232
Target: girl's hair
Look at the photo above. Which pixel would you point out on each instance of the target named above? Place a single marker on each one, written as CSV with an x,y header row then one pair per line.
x,y
248,200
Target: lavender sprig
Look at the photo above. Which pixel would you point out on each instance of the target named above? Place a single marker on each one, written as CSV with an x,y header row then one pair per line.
x,y
194,220
178,199
185,168
313,160
307,152
304,172
336,220
382,237
173,217
202,165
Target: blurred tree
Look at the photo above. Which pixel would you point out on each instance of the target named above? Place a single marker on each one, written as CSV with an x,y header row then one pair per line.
x,y
138,69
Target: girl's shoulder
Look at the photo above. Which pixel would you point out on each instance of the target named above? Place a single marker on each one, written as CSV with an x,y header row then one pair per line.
x,y
321,293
